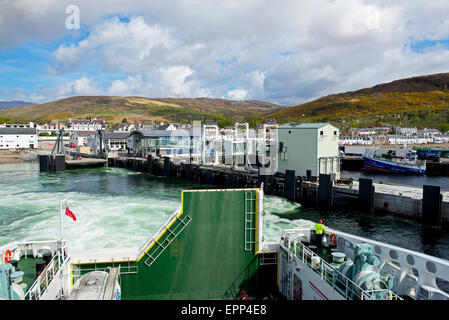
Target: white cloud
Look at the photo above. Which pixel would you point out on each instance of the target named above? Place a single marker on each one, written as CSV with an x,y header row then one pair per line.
x,y
287,52
172,81
237,94
79,87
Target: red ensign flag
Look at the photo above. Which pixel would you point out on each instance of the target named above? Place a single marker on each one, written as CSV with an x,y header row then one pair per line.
x,y
69,213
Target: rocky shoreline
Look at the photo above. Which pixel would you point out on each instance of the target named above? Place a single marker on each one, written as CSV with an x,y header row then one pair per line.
x,y
19,156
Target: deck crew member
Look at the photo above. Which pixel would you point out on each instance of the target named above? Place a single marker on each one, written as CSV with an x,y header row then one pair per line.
x,y
319,231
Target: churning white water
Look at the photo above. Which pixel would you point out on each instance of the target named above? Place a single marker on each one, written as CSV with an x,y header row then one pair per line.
x,y
115,208
119,208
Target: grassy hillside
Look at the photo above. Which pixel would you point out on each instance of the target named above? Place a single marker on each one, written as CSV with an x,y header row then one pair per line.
x,y
419,101
133,109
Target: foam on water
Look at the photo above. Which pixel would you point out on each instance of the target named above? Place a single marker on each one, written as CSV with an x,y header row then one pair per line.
x,y
106,216
115,208
274,224
119,208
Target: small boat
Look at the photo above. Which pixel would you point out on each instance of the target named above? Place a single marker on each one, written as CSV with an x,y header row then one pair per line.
x,y
393,161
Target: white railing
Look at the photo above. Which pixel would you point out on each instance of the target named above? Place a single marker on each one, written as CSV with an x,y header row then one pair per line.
x,y
158,233
338,281
37,247
385,293
42,282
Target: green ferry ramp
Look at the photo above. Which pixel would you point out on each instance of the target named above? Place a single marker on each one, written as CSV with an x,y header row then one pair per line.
x,y
208,249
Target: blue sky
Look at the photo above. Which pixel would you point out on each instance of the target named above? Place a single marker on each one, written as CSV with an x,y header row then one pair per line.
x,y
425,45
286,53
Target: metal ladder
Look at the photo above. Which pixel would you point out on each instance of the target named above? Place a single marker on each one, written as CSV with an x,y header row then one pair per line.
x,y
160,246
250,214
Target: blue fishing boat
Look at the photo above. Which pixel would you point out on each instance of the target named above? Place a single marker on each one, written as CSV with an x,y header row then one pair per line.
x,y
393,161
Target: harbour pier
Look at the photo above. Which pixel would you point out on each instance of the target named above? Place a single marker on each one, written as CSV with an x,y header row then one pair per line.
x,y
428,204
60,162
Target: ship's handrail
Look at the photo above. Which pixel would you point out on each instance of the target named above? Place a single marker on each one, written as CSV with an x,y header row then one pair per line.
x,y
369,293
421,259
42,282
441,263
325,270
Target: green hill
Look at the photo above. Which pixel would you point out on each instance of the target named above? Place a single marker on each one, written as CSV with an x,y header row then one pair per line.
x,y
419,101
133,109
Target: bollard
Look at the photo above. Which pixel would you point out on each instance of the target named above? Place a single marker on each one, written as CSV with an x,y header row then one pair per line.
x,y
59,162
234,181
166,166
290,185
325,191
366,195
150,164
209,177
44,163
187,171
431,205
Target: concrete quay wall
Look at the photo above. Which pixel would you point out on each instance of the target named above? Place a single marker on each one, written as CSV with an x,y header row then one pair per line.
x,y
381,198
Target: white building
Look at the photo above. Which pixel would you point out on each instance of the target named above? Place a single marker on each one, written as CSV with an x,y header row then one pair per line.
x,y
79,138
86,125
440,138
428,132
309,146
117,140
406,131
54,125
19,125
18,137
401,139
350,140
171,143
93,142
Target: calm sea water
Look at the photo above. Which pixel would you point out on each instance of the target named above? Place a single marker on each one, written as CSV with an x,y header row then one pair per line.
x,y
118,208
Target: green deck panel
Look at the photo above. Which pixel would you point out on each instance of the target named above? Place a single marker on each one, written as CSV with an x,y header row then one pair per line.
x,y
207,260
28,266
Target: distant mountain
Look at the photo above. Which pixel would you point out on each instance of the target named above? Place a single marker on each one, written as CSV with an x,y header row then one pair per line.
x,y
115,109
421,101
14,104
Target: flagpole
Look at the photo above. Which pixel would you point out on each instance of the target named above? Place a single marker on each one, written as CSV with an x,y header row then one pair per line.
x,y
62,229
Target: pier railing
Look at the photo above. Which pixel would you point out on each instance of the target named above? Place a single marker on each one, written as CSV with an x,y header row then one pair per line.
x,y
338,281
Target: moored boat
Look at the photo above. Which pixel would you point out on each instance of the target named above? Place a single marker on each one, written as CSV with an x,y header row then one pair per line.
x,y
393,161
